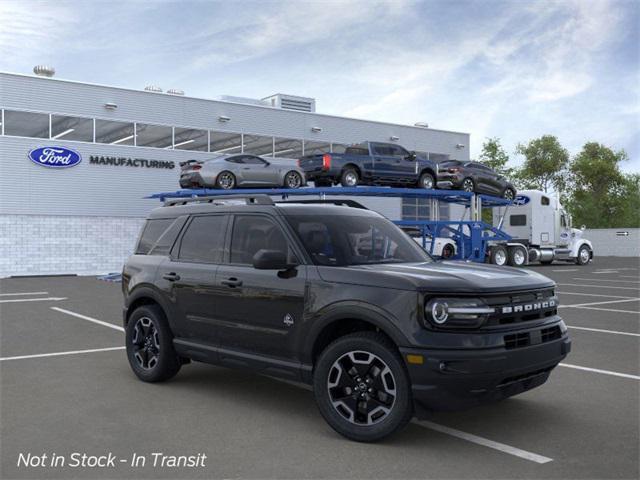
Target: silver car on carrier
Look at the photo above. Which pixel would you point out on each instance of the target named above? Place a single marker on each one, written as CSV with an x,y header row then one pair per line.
x,y
241,170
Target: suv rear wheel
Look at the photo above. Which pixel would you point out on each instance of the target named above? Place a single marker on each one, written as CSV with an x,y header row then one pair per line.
x,y
149,344
362,388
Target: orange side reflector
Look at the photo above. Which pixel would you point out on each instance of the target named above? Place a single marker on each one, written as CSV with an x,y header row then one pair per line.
x,y
415,359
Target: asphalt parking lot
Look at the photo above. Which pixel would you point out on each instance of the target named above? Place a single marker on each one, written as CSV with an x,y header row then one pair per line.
x,y
583,423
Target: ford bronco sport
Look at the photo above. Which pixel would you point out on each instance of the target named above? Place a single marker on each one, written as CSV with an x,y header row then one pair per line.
x,y
337,297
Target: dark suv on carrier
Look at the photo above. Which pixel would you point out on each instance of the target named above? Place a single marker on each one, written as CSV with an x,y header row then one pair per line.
x,y
337,297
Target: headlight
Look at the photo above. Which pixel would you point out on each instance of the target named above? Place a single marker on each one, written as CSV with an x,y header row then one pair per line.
x,y
457,312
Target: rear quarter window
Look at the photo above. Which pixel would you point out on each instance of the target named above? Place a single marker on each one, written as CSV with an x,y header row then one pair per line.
x,y
151,232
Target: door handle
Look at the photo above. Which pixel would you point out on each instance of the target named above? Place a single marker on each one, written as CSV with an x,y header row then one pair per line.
x,y
172,276
232,282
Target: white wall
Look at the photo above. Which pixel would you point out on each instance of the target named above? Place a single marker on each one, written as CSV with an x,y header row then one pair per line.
x,y
608,242
52,245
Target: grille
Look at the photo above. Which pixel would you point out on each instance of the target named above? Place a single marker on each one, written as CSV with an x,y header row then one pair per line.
x,y
524,339
523,301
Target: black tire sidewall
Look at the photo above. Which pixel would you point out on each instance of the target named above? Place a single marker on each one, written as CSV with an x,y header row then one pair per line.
x,y
168,361
377,344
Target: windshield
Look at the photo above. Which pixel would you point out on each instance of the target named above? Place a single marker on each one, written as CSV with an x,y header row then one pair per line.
x,y
344,240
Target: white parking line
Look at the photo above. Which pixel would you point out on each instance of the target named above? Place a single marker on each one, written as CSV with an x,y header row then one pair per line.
x,y
598,303
567,270
48,299
598,286
453,432
599,330
597,370
57,354
605,280
628,276
23,293
517,452
592,295
605,272
610,310
88,319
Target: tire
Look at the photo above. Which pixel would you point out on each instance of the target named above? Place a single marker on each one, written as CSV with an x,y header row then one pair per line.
x,y
349,178
389,382
517,256
152,356
584,255
468,185
226,180
499,255
508,194
427,181
448,251
292,180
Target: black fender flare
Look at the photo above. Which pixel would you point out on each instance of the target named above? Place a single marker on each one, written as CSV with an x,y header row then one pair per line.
x,y
146,291
356,311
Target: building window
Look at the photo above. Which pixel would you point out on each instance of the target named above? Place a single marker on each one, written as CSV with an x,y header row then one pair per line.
x,y
156,136
26,124
313,148
225,143
415,209
191,139
114,133
287,148
338,147
71,128
518,220
258,145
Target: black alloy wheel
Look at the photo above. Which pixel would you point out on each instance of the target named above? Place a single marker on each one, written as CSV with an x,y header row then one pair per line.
x,y
362,387
149,344
509,194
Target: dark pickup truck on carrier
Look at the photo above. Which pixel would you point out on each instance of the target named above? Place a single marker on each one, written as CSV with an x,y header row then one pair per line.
x,y
371,163
337,297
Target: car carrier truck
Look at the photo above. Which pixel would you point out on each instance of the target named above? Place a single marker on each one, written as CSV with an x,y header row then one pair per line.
x,y
540,231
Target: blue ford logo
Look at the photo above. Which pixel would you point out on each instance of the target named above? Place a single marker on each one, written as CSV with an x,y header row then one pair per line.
x,y
55,157
521,200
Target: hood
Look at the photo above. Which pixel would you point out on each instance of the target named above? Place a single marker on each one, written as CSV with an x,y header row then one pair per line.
x,y
443,276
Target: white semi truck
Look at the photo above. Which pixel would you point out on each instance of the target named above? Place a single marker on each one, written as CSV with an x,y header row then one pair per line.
x,y
541,231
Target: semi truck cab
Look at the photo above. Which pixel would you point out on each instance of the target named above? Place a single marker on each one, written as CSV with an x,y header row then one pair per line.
x,y
538,221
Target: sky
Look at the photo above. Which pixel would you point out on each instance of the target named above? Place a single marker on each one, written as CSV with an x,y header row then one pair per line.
x,y
515,70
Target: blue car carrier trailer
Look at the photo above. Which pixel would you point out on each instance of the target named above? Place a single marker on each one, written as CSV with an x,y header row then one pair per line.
x,y
474,239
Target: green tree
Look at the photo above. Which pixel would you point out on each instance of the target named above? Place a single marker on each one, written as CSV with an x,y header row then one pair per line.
x,y
545,164
494,156
600,195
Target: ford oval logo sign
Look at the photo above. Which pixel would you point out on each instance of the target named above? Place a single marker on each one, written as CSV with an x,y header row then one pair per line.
x,y
521,200
55,157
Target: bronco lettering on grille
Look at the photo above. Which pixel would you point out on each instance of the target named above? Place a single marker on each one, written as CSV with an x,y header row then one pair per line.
x,y
529,307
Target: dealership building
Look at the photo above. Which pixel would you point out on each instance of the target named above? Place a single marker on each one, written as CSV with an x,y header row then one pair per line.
x,y
84,219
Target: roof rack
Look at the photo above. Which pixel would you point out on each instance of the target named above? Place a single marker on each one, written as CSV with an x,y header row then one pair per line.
x,y
220,200
338,201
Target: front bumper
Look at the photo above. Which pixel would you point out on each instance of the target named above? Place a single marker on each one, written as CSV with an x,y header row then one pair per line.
x,y
451,379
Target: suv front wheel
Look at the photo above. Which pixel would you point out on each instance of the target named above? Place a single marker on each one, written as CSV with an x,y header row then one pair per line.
x,y
362,388
149,345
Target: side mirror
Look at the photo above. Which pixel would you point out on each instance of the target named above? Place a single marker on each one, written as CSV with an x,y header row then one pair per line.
x,y
270,260
411,156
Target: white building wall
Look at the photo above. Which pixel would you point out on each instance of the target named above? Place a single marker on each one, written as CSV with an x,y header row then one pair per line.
x,y
613,241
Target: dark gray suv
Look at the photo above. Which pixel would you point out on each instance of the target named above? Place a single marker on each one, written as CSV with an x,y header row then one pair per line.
x,y
337,297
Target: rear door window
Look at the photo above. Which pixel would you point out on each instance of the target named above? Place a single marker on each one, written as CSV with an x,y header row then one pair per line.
x,y
252,233
203,241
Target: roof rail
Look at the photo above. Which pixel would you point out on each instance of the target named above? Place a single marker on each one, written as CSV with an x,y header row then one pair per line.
x,y
220,199
339,201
